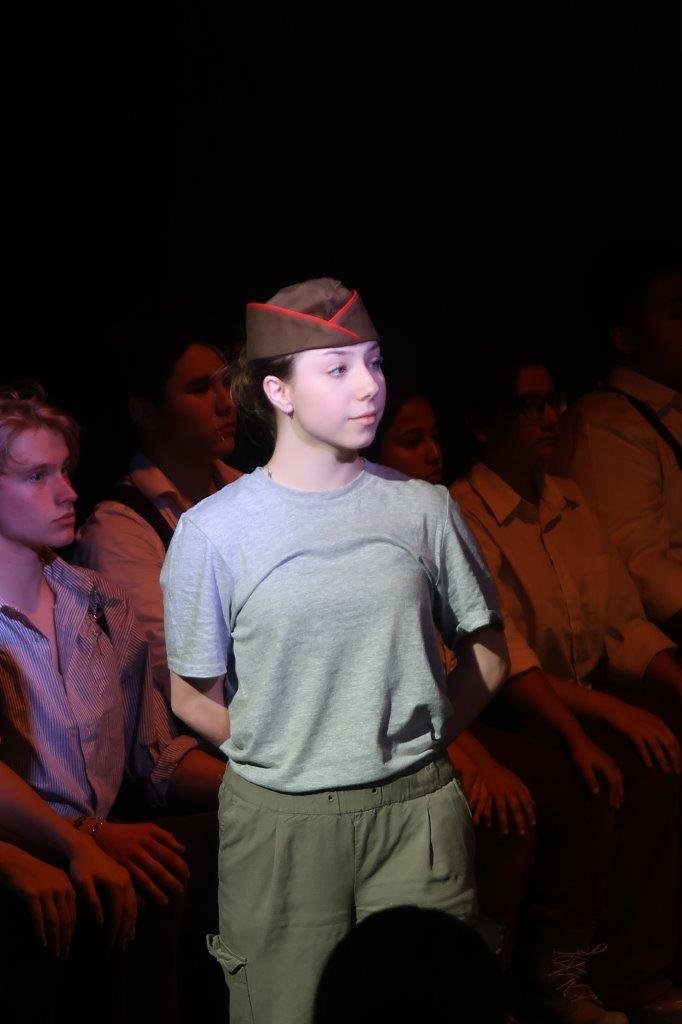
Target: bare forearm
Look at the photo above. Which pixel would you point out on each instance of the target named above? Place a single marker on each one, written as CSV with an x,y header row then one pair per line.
x,y
590,705
200,704
534,695
25,816
197,778
473,749
481,669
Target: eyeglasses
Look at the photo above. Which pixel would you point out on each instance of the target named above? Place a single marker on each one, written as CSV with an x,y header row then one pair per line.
x,y
533,406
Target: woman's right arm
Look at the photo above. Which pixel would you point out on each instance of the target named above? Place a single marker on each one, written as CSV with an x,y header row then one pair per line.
x,y
202,705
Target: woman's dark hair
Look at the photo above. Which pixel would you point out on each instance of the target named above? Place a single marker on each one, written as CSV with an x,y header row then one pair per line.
x,y
490,392
149,347
247,378
487,397
398,395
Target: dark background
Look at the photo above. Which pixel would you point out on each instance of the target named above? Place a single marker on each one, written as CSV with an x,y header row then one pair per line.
x,y
471,173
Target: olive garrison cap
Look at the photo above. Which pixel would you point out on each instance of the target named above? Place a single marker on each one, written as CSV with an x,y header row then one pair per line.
x,y
314,314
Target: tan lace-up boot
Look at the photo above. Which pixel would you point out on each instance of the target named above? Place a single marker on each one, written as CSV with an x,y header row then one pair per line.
x,y
561,993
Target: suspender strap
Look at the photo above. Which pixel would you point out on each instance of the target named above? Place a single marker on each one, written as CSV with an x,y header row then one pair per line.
x,y
650,416
133,498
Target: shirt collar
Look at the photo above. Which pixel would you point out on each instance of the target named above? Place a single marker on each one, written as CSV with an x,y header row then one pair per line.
x,y
504,502
501,499
81,582
658,396
155,485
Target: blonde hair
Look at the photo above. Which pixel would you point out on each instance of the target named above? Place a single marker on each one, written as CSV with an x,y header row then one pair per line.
x,y
23,407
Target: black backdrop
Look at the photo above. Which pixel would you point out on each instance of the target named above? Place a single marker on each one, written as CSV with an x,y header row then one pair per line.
x,y
466,172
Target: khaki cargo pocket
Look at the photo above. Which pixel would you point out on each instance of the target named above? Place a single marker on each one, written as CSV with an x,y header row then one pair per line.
x,y
234,969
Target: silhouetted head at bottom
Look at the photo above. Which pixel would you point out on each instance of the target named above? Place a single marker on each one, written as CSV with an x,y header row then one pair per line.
x,y
410,964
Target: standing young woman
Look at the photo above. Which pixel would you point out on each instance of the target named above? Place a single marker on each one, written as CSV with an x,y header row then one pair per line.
x,y
302,607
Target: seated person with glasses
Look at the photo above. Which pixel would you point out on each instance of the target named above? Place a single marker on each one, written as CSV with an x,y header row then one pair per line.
x,y
582,631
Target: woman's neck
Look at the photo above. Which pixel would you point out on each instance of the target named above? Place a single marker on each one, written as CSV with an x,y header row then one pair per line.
x,y
193,480
525,480
308,467
21,575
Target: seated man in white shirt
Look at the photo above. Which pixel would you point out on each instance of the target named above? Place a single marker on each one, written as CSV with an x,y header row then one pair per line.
x,y
623,444
575,607
184,419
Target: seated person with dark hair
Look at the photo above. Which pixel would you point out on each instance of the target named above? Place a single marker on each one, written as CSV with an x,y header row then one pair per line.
x,y
583,634
179,402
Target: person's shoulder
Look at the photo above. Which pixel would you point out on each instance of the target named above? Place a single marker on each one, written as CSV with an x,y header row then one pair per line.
x,y
467,499
385,472
230,498
461,491
397,482
600,408
419,494
225,518
79,579
112,518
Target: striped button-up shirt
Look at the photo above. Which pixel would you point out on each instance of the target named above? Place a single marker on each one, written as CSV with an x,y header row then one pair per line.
x,y
71,733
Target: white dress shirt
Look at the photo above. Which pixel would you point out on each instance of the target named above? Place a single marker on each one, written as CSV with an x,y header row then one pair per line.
x,y
562,585
120,544
631,478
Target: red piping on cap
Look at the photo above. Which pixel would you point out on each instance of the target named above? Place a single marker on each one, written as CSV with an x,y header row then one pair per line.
x,y
339,313
304,316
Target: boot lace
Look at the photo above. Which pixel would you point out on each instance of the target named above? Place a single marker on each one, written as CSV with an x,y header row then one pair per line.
x,y
568,970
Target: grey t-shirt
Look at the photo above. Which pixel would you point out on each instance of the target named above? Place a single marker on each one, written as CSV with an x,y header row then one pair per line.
x,y
323,610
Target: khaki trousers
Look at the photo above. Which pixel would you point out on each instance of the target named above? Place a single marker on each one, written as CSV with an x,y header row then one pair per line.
x,y
298,870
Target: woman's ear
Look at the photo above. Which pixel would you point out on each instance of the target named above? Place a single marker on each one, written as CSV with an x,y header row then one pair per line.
x,y
278,393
